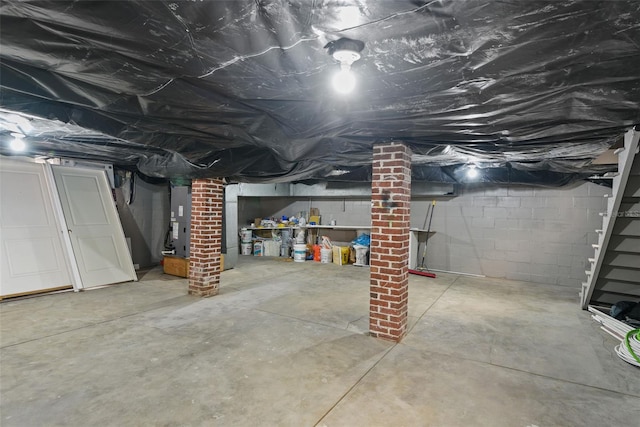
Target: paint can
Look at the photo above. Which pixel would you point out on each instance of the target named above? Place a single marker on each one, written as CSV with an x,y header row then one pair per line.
x,y
299,252
258,248
246,248
246,235
326,255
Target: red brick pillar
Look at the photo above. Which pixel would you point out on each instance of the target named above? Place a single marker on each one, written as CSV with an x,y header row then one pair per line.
x,y
390,222
206,236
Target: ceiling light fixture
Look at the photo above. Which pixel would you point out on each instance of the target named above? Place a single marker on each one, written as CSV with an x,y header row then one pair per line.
x,y
346,52
344,81
17,143
472,172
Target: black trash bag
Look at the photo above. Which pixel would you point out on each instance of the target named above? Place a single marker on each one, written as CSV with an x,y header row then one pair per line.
x,y
621,309
634,313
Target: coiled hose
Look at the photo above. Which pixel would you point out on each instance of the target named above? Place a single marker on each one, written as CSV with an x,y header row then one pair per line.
x,y
629,349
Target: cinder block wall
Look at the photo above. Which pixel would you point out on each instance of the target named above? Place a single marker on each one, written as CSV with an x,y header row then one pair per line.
x,y
523,233
343,211
516,232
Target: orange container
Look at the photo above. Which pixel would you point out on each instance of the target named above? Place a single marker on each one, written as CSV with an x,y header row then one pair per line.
x,y
316,252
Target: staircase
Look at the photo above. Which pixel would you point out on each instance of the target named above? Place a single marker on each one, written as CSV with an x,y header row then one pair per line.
x,y
614,273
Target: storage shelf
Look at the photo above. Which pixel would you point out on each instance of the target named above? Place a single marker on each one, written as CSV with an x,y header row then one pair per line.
x,y
315,227
328,227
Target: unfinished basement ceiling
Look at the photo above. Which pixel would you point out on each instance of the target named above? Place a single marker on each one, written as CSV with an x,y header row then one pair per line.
x,y
529,91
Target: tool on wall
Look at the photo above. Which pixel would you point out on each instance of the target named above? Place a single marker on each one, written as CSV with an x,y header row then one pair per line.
x,y
422,270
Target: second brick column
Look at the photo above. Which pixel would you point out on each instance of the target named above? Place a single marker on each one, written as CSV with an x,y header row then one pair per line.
x,y
390,223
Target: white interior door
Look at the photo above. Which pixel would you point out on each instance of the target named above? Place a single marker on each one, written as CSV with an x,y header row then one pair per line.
x,y
96,235
31,252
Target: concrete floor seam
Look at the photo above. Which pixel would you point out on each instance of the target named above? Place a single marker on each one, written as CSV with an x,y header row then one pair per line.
x,y
355,384
637,396
456,356
353,322
431,305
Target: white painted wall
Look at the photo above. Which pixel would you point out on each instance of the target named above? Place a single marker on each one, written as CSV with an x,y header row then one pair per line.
x,y
516,232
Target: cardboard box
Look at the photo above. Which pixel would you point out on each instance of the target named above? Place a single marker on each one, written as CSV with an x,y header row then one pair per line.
x,y
176,266
341,255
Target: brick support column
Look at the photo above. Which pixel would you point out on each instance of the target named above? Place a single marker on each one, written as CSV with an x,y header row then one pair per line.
x,y
390,222
206,236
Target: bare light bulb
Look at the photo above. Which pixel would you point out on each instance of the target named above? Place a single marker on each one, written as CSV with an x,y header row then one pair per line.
x,y
472,172
17,143
344,81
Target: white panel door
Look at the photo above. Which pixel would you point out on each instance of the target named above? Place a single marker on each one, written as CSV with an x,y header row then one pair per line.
x,y
98,242
31,251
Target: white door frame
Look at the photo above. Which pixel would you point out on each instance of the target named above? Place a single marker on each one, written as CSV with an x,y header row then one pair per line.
x,y
76,279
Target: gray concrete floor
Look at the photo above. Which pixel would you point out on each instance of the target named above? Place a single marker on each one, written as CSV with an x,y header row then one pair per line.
x,y
285,344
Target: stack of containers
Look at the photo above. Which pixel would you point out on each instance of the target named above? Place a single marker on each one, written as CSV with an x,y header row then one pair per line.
x,y
245,242
285,248
326,250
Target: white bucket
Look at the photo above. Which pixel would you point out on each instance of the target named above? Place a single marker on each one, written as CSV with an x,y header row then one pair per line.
x,y
245,235
299,253
326,255
246,249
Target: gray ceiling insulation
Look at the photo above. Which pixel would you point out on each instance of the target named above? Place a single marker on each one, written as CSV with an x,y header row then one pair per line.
x,y
529,91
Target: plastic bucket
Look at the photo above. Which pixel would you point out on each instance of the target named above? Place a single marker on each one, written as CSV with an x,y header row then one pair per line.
x,y
246,249
326,255
299,253
246,235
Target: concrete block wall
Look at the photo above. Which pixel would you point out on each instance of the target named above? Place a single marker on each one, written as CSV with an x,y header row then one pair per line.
x,y
516,232
541,235
250,208
343,211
